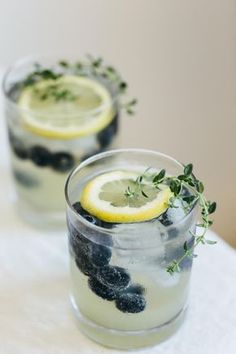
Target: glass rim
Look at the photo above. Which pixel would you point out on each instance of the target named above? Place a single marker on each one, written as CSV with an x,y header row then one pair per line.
x,y
30,59
107,154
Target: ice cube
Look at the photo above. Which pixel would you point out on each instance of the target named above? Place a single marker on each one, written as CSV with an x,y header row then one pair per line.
x,y
139,244
139,235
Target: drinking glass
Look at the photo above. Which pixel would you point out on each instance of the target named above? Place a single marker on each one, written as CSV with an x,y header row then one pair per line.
x,y
137,254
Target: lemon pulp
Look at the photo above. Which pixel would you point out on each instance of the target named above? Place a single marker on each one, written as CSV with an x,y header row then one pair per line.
x,y
106,197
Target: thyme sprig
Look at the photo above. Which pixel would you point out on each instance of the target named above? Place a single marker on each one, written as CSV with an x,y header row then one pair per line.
x,y
40,74
56,92
178,186
138,186
90,66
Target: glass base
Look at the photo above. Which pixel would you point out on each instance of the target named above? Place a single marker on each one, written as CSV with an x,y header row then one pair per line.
x,y
127,340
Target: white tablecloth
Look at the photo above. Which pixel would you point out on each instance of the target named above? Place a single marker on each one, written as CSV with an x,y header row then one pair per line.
x,y
35,313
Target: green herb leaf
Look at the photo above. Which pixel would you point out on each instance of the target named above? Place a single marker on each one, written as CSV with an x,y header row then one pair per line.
x,y
97,62
64,63
182,177
212,208
123,86
199,186
175,186
110,69
188,169
210,242
159,177
189,199
185,246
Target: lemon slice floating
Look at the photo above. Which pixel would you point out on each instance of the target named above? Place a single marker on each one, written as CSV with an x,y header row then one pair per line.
x,y
88,112
105,197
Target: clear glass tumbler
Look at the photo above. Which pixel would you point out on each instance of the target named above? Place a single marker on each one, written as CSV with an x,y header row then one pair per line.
x,y
42,154
136,253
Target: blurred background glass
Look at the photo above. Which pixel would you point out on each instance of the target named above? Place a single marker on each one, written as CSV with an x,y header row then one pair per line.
x,y
179,58
56,118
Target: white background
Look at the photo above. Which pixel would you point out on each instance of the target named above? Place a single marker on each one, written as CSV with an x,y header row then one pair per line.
x,y
179,57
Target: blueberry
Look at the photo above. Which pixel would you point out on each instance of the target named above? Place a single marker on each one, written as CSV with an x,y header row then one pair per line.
x,y
74,232
84,264
114,277
115,123
107,225
19,149
62,161
101,290
78,242
135,289
90,218
78,245
164,219
78,207
25,179
106,135
100,255
130,303
40,156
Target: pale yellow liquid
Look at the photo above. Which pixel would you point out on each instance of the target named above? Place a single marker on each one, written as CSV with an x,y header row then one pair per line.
x,y
165,295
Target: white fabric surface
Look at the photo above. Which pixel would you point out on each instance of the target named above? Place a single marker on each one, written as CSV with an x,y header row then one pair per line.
x,y
35,313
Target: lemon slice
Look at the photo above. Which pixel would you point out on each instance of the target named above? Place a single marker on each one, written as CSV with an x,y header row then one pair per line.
x,y
105,197
88,112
